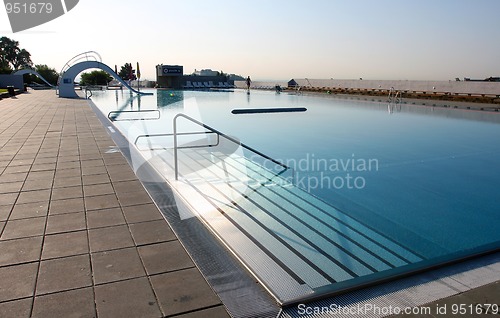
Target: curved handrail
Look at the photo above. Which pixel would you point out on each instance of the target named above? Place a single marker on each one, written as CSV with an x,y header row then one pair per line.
x,y
176,164
394,96
88,56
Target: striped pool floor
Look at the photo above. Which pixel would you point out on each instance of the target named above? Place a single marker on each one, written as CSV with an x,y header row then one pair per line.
x,y
295,244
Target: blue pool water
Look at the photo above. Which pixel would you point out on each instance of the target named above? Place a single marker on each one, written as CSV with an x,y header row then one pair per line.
x,y
424,177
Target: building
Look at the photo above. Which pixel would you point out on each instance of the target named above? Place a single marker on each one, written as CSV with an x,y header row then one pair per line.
x,y
206,72
171,76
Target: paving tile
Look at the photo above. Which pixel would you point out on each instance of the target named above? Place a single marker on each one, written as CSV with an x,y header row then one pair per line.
x,y
105,218
21,162
40,175
66,158
20,251
16,309
17,281
67,182
29,210
43,167
183,291
487,294
101,202
87,171
17,169
90,156
111,266
23,228
62,274
134,198
38,184
68,173
2,224
138,301
61,223
67,193
5,212
13,177
128,186
164,257
118,169
219,312
98,189
109,238
151,232
123,176
66,206
92,163
11,187
45,160
34,196
73,303
120,160
65,244
68,165
8,198
95,179
141,213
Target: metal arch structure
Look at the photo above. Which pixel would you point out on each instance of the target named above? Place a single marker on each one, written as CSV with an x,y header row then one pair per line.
x,y
67,80
33,72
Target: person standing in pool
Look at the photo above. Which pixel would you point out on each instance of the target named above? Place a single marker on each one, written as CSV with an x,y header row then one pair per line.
x,y
249,82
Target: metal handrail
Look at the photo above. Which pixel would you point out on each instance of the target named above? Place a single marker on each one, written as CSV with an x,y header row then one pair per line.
x,y
176,164
394,95
87,56
116,113
182,134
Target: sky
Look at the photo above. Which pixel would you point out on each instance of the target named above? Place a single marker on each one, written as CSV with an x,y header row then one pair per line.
x,y
279,40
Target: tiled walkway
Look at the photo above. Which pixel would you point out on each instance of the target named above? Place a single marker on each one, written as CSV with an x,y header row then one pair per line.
x,y
79,236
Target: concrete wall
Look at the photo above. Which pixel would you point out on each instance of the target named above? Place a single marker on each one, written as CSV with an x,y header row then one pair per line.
x,y
459,87
11,80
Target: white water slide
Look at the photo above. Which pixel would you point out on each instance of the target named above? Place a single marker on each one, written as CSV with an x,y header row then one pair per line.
x,y
80,63
30,71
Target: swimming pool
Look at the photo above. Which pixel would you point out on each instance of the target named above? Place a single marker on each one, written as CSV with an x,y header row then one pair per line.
x,y
372,191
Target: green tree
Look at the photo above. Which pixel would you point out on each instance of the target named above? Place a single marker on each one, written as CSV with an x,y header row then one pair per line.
x,y
22,60
48,73
5,67
127,72
95,78
11,56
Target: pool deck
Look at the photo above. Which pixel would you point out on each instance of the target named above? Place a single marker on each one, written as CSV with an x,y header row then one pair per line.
x,y
79,235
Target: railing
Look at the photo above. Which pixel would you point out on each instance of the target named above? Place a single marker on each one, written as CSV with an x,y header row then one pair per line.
x,y
113,115
394,96
219,134
88,93
85,56
180,134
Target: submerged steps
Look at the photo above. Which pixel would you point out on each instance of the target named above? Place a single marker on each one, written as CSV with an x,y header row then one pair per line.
x,y
308,242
